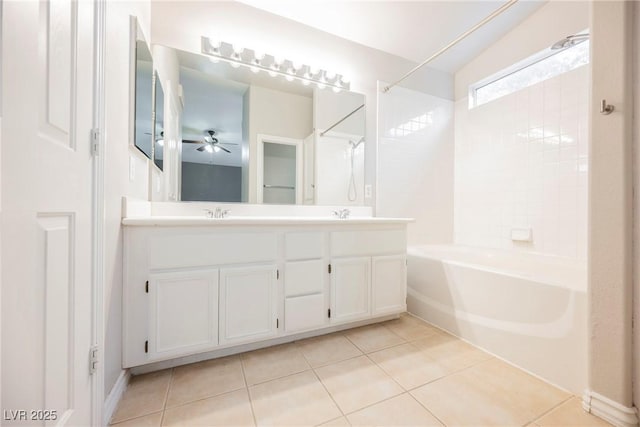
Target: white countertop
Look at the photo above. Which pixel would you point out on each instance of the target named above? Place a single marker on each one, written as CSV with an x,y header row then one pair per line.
x,y
172,221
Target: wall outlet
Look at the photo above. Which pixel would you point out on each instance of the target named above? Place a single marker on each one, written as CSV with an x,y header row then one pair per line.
x,y
368,191
132,168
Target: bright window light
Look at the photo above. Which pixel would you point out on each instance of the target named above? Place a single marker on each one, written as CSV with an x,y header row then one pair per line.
x,y
542,66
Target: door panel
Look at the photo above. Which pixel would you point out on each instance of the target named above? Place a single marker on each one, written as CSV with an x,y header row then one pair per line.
x,y
389,284
47,176
350,285
247,303
305,312
183,312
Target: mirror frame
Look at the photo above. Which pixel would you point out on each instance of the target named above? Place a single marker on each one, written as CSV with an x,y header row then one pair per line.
x,y
134,31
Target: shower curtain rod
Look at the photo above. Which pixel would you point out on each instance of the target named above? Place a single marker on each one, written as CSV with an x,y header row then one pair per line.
x,y
453,43
342,119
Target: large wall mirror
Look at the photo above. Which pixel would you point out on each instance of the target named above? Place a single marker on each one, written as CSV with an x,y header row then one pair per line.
x,y
250,137
143,84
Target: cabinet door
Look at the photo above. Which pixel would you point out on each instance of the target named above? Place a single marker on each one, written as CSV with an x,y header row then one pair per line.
x,y
350,286
389,284
183,310
248,308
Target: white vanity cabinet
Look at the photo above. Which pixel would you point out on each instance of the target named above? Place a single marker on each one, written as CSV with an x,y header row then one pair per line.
x,y
218,286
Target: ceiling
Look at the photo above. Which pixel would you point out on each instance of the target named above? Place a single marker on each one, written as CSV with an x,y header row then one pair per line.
x,y
413,30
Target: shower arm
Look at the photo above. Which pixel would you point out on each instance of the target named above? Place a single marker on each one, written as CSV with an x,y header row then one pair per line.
x,y
453,43
342,120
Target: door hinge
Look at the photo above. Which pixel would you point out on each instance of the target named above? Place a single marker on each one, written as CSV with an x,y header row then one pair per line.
x,y
95,141
277,274
277,323
146,286
329,313
93,359
146,346
329,268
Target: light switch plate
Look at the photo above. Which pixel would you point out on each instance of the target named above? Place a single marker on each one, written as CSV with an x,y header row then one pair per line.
x,y
368,191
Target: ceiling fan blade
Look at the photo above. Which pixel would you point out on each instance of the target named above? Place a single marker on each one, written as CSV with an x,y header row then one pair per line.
x,y
222,148
191,141
201,149
227,143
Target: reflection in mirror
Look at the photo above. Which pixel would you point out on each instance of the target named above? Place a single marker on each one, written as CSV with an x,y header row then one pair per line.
x,y
158,121
251,137
143,88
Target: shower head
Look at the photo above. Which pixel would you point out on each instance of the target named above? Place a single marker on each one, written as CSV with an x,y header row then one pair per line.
x,y
570,41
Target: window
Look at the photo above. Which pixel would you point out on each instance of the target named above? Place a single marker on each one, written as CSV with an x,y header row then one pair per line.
x,y
541,66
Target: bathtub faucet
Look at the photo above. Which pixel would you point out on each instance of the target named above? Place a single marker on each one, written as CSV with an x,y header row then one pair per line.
x,y
218,213
342,213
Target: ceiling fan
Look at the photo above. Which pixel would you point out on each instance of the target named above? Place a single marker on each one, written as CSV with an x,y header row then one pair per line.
x,y
209,142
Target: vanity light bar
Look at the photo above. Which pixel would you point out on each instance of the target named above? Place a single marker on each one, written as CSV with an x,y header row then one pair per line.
x,y
274,66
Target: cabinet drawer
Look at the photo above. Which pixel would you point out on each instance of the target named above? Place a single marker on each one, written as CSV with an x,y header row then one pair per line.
x,y
304,312
303,277
368,242
191,248
304,245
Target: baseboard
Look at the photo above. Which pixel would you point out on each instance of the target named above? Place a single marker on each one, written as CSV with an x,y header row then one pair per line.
x,y
112,400
608,410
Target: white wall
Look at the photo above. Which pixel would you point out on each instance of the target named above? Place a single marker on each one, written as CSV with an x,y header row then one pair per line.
x,y
540,30
415,168
253,28
119,151
522,162
333,172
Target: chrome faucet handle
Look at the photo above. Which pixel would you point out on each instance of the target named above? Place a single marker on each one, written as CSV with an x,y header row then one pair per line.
x,y
209,213
224,213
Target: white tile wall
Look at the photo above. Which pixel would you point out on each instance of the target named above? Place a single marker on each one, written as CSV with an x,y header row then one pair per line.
x,y
415,163
521,161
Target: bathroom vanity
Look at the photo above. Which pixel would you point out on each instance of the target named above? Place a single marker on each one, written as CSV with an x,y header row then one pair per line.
x,y
196,285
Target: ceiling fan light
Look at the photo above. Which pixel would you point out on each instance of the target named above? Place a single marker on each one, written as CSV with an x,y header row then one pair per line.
x,y
208,149
215,148
160,142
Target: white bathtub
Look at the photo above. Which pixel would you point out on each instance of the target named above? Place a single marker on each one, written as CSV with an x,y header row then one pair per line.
x,y
527,309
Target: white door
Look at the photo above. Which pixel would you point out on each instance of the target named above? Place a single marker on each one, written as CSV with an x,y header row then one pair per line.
x,y
389,284
248,306
183,313
350,285
46,211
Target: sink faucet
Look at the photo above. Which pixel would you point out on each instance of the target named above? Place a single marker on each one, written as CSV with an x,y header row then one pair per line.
x,y
218,213
342,213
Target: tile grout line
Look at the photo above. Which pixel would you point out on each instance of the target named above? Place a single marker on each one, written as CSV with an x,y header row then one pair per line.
x,y
427,409
246,387
136,417
571,396
166,397
330,396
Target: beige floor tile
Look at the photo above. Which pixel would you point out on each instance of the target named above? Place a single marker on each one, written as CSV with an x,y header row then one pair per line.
x,y
298,399
273,362
451,352
410,328
491,393
205,379
231,409
152,420
145,395
373,337
401,410
356,383
570,414
327,349
407,365
338,422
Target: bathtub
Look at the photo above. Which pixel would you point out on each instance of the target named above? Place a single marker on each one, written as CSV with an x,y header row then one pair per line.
x,y
527,309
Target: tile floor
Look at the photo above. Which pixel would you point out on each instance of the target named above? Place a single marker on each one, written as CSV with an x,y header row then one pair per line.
x,y
401,372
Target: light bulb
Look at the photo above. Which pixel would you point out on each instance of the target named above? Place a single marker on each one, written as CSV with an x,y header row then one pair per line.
x,y
305,82
216,148
208,148
330,75
215,47
160,142
289,77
